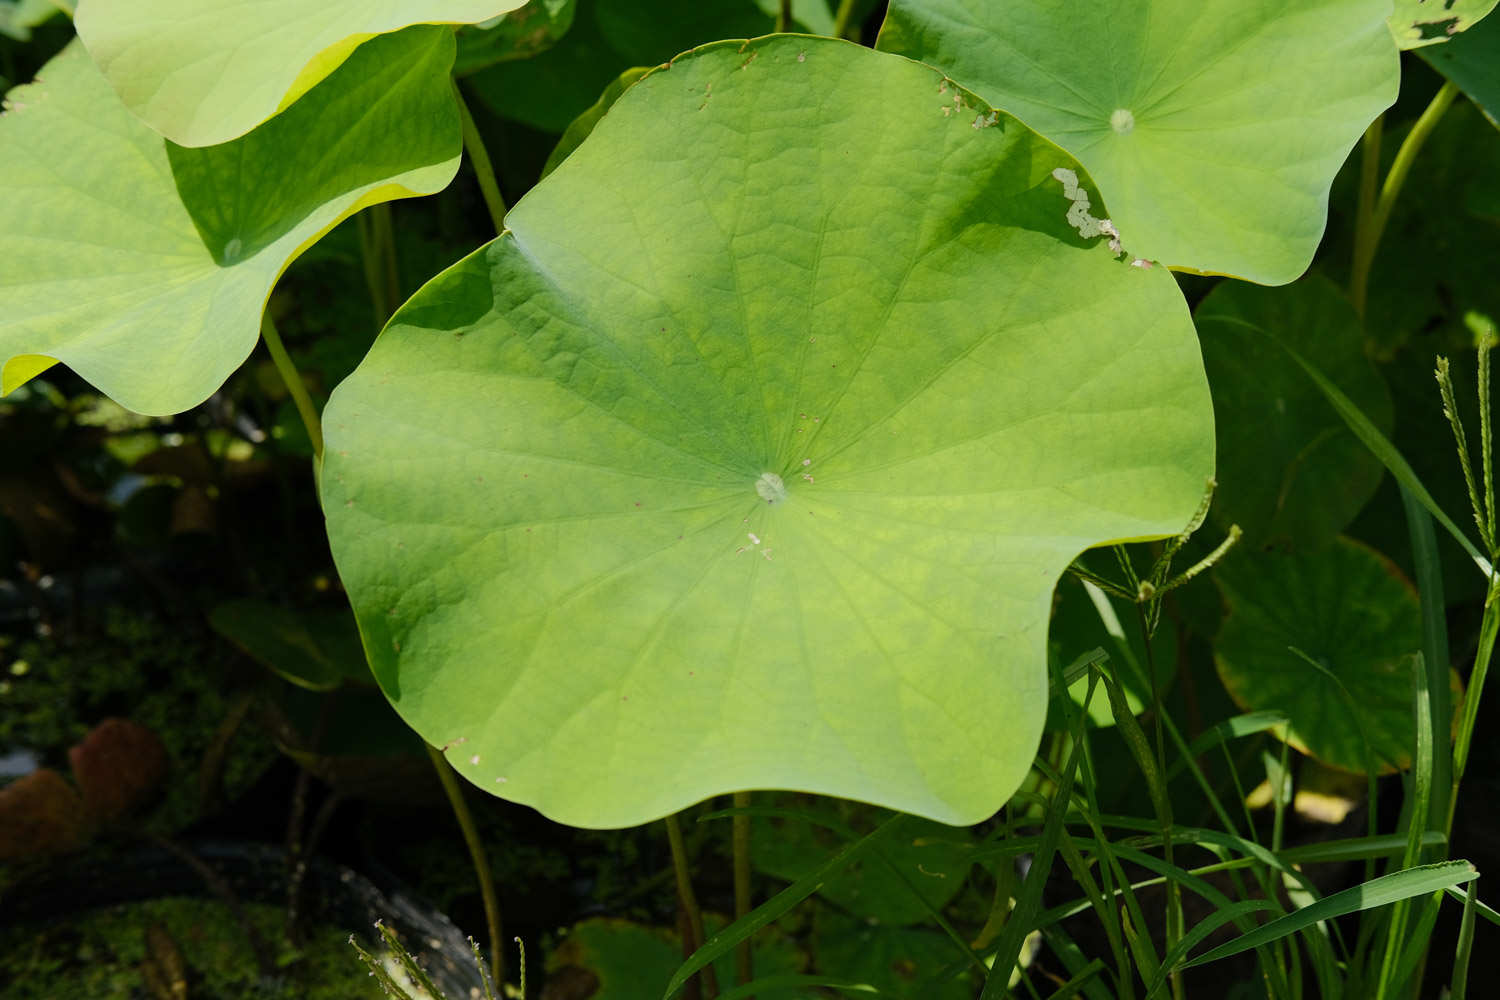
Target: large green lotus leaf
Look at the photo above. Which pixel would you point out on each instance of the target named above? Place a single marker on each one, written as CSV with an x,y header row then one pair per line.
x,y
1419,23
1291,473
143,265
749,455
1472,61
202,72
1213,127
1349,611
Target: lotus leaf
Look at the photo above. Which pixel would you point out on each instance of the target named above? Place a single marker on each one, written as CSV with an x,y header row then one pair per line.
x,y
750,454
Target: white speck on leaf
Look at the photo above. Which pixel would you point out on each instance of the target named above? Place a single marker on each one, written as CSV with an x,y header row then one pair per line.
x,y
1122,121
474,759
770,487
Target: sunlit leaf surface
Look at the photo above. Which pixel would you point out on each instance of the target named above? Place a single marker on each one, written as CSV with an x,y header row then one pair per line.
x,y
750,455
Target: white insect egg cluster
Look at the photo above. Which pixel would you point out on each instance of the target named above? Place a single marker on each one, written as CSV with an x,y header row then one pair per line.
x,y
1081,219
1079,216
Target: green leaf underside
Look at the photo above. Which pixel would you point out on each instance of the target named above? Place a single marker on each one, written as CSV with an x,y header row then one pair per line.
x,y
606,39
1291,473
1214,129
144,266
789,256
203,72
1421,23
1350,610
316,649
525,32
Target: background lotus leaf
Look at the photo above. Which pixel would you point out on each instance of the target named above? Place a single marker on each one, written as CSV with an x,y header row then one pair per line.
x,y
1328,638
1472,61
606,39
143,265
749,456
202,72
1214,129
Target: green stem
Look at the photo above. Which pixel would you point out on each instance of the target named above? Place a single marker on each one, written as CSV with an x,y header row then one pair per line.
x,y
369,255
383,236
479,159
1174,891
784,17
1489,630
741,836
842,18
477,856
1364,217
689,902
1367,240
1460,985
1486,440
294,384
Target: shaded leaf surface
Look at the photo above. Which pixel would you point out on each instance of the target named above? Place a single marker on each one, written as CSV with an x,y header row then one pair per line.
x,y
1213,129
316,649
1349,610
606,39
750,455
584,124
203,72
144,266
622,960
1436,260
1291,474
927,858
1472,60
521,34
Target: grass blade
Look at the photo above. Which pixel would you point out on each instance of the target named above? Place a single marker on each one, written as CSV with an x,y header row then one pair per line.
x,y
1029,904
1465,944
1381,447
1079,983
1429,574
724,941
1377,892
788,981
1480,907
1201,930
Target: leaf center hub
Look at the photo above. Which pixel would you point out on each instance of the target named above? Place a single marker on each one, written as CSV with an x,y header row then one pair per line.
x,y
770,487
1122,121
